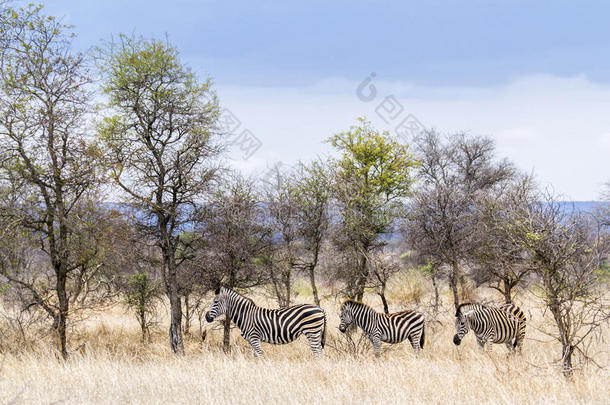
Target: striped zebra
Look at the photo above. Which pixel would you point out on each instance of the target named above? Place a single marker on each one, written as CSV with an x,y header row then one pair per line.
x,y
277,326
388,328
505,324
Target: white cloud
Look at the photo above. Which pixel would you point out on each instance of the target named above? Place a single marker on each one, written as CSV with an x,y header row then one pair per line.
x,y
558,126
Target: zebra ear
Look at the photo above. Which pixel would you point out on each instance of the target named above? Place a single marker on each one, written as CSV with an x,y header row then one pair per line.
x,y
217,290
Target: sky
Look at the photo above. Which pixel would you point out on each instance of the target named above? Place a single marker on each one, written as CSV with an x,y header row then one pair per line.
x,y
534,77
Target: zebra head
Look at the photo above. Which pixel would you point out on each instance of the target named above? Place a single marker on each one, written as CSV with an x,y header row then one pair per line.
x,y
219,305
462,325
347,316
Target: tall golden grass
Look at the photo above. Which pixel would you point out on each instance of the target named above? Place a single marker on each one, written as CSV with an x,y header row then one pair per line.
x,y
113,366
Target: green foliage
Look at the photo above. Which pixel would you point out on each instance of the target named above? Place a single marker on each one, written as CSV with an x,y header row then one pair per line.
x,y
603,273
160,120
429,269
142,293
372,176
373,173
377,162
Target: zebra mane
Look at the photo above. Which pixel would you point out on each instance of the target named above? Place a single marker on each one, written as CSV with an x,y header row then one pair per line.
x,y
467,307
235,293
358,304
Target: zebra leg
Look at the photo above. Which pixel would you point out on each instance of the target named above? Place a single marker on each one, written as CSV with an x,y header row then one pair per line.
x,y
315,343
519,339
481,343
255,345
376,341
415,339
518,342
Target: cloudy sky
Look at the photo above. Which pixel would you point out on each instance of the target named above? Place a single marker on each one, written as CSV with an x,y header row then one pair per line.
x,y
534,78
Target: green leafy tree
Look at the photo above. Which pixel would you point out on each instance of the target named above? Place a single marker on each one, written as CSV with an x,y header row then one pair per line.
x,y
159,136
372,176
142,296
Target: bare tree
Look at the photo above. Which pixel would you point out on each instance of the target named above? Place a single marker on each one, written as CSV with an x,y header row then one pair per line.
x,y
237,242
382,269
498,256
281,204
48,156
453,170
159,137
313,192
298,211
565,251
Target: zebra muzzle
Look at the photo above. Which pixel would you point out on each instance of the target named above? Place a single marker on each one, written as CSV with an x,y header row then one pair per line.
x,y
209,317
457,340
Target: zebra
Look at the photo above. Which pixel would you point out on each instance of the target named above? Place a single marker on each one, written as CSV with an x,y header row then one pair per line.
x,y
277,326
388,328
505,324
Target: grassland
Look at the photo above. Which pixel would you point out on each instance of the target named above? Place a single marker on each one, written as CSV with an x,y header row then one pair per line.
x,y
114,367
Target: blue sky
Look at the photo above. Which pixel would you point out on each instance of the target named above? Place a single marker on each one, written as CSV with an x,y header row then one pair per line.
x,y
435,43
534,77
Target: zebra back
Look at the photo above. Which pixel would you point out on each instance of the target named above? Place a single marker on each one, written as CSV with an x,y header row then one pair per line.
x,y
390,328
508,320
514,311
278,326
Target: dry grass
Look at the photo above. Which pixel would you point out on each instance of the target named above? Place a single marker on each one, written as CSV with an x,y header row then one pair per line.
x,y
114,367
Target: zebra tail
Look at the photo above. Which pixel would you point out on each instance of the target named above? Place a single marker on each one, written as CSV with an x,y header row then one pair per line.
x,y
422,339
323,339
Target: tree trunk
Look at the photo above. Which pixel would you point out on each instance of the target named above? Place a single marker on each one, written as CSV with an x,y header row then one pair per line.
x,y
175,303
62,315
314,289
436,294
359,293
175,329
562,327
361,281
384,301
277,287
142,321
188,315
227,335
507,292
567,351
453,281
287,286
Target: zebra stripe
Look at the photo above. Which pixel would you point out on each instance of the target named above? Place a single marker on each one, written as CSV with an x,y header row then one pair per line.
x,y
277,326
505,324
380,327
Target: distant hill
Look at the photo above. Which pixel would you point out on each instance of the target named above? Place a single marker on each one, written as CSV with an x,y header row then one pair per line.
x,y
580,206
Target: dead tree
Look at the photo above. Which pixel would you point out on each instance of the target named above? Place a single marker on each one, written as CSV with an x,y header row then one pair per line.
x,y
236,241
498,258
453,170
565,249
